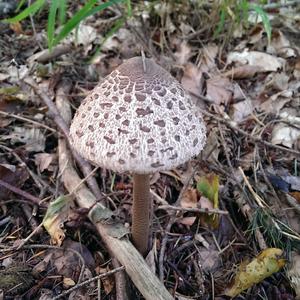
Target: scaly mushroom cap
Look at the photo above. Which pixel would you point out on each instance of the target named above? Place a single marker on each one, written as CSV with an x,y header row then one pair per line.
x,y
138,121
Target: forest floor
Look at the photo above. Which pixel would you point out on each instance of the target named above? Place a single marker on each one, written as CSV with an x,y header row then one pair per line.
x,y
247,85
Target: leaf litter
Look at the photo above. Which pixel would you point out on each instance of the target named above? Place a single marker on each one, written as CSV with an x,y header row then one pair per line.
x,y
249,92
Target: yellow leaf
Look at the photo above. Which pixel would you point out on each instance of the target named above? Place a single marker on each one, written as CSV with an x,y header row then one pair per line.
x,y
264,265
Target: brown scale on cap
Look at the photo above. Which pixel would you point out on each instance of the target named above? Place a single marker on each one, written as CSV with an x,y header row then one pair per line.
x,y
138,120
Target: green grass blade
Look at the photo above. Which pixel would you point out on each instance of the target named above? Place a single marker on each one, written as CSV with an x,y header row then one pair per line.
x,y
30,10
62,12
264,18
74,21
86,11
221,23
21,3
51,21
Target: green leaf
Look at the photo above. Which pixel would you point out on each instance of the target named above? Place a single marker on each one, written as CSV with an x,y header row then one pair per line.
x,y
30,10
264,18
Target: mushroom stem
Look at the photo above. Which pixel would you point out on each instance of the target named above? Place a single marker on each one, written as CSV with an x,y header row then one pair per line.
x,y
141,212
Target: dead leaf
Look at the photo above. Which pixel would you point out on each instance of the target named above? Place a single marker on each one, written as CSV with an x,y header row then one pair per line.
x,y
193,80
43,160
55,217
33,138
254,58
209,259
189,198
68,282
264,265
243,72
241,110
183,53
219,90
280,45
285,135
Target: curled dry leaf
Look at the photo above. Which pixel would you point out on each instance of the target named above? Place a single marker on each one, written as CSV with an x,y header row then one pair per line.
x,y
254,58
264,265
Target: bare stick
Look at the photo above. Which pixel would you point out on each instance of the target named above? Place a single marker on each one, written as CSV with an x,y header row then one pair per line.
x,y
24,194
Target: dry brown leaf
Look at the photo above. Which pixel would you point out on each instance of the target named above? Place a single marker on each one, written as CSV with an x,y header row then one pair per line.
x,y
242,72
254,58
280,45
241,110
219,90
193,80
183,53
189,198
43,160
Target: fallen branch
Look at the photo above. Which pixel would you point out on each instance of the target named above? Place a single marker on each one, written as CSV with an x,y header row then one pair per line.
x,y
123,250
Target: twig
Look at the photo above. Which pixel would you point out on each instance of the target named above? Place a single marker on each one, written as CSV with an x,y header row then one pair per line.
x,y
54,113
196,210
78,286
261,202
27,120
22,193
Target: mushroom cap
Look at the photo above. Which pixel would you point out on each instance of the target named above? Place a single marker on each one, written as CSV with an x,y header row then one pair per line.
x,y
138,120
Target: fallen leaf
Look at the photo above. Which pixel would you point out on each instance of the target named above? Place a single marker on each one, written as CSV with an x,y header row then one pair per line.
x,y
43,160
193,80
55,217
209,259
242,72
254,58
68,282
219,90
285,135
33,138
189,198
264,265
183,53
241,110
